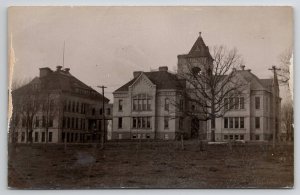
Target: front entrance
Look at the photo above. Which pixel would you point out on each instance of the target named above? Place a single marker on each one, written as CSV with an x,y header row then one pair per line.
x,y
195,128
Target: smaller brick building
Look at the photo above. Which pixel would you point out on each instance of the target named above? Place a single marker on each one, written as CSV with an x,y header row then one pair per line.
x,y
56,107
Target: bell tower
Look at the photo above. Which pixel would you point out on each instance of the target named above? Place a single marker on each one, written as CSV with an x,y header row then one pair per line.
x,y
198,58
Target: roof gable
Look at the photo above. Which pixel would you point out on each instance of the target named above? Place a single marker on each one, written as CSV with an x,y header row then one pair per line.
x,y
162,80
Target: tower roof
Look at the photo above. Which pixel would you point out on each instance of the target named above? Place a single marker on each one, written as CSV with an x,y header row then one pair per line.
x,y
199,48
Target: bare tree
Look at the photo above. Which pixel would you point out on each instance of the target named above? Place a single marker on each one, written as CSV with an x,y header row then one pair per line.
x,y
51,105
287,118
285,60
16,112
26,104
209,90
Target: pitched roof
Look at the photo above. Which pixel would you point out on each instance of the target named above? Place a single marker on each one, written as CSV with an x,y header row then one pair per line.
x,y
266,82
61,80
162,80
256,83
199,49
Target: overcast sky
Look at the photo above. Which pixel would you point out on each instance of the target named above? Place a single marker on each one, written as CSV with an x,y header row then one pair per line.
x,y
104,45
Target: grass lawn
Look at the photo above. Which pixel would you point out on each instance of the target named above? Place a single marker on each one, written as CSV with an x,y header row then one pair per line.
x,y
150,165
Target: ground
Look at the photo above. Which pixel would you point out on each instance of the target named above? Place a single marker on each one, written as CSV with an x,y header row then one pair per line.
x,y
150,165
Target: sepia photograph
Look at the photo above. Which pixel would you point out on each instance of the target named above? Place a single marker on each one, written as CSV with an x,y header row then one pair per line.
x,y
150,97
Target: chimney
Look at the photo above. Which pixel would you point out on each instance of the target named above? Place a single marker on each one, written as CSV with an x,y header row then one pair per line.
x,y
136,73
45,71
67,70
243,67
163,68
58,68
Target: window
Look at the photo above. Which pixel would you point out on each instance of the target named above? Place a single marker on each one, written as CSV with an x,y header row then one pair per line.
x,y
93,111
23,137
76,123
225,122
166,122
134,122
36,121
231,137
36,137
50,137
236,122
241,137
77,107
193,107
236,103
257,122
50,122
144,103
72,123
135,104
43,136
225,137
257,102
256,137
167,104
236,137
141,102
231,103
230,122
180,123
76,137
68,137
120,105
83,124
242,103
141,122
100,125
69,106
226,105
108,111
148,122
73,106
23,122
148,104
242,122
181,105
134,136
120,123
63,136
144,122
44,121
147,136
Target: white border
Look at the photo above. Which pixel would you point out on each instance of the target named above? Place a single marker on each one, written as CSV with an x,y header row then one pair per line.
x,y
3,86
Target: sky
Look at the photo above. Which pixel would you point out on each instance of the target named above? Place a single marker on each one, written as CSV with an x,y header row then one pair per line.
x,y
104,45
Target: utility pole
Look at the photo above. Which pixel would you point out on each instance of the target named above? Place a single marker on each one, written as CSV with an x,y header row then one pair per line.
x,y
275,110
103,133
